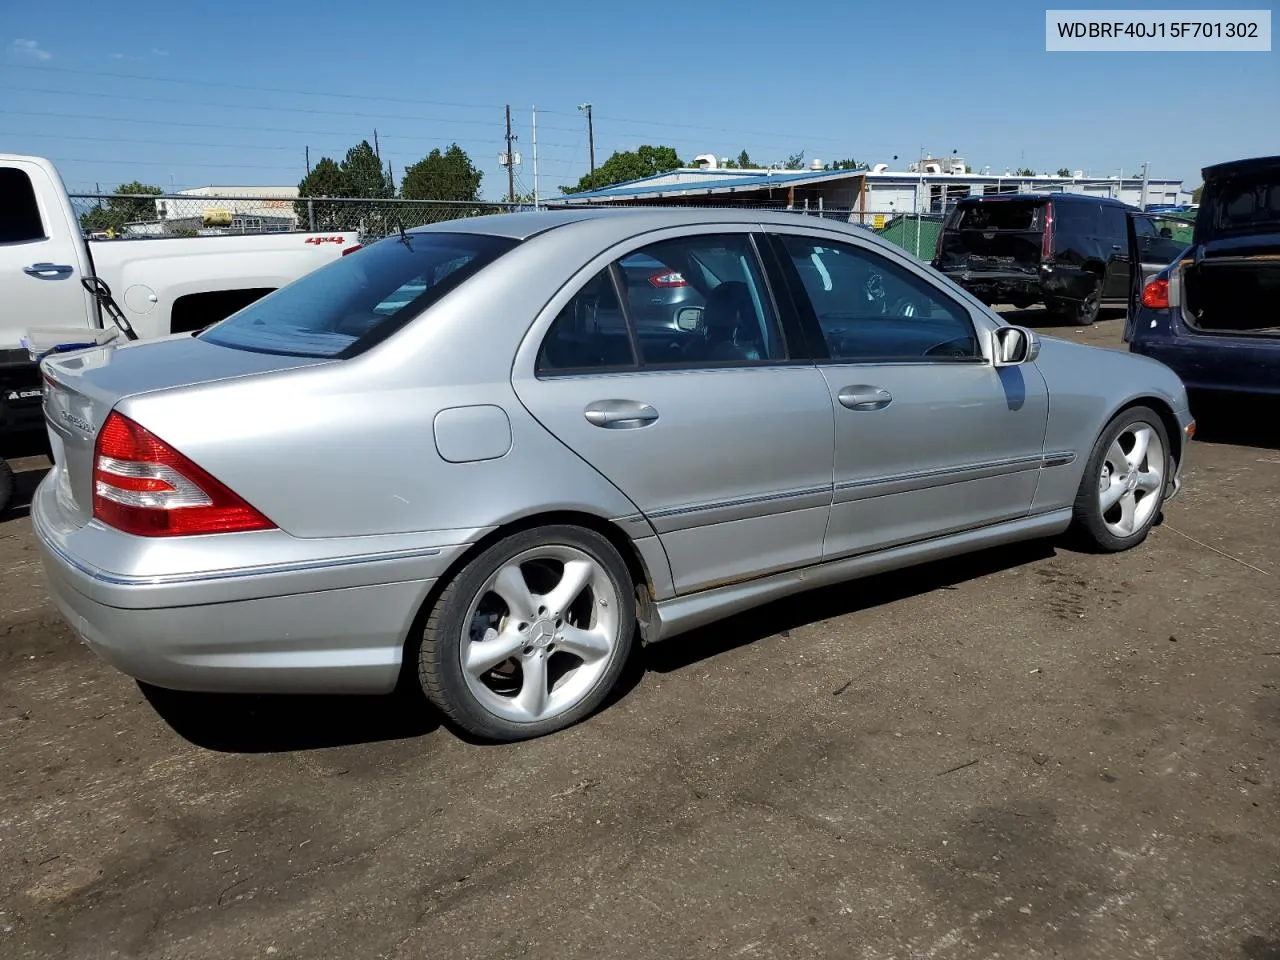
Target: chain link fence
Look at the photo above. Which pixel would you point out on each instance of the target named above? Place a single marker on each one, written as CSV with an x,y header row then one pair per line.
x,y
117,216
133,216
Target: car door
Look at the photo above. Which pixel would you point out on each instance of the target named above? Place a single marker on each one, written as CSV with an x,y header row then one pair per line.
x,y
1113,245
718,428
931,438
41,254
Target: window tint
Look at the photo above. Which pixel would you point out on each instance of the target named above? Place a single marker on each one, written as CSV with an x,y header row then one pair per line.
x,y
700,301
1076,218
19,215
869,308
590,333
1000,215
356,301
1114,227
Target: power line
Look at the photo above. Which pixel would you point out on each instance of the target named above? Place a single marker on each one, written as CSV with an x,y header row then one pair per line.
x,y
252,88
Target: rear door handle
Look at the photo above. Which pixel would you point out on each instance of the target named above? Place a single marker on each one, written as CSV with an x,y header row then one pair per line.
x,y
39,269
863,397
620,414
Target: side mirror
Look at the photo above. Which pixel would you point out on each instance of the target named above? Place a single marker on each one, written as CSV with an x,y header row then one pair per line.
x,y
1014,345
689,318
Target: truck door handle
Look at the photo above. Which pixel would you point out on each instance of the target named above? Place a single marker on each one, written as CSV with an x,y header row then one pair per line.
x,y
620,414
863,397
39,269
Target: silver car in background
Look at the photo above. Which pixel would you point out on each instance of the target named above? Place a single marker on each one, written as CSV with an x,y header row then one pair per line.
x,y
457,452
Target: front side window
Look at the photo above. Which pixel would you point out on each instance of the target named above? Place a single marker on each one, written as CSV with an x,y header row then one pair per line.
x,y
873,310
356,301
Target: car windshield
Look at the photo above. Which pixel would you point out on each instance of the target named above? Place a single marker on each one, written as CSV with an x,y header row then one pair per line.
x,y
347,306
998,215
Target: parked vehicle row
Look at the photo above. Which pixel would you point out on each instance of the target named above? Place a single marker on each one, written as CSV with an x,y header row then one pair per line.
x,y
484,455
162,286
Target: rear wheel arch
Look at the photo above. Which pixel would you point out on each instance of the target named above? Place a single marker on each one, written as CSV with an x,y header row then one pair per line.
x,y
641,577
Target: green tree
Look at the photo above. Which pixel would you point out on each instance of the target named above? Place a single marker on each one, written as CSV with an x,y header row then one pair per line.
x,y
625,165
326,179
846,165
442,176
795,161
1024,172
1063,172
1195,194
364,174
741,162
121,208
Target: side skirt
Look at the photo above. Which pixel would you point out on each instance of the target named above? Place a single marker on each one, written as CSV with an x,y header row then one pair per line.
x,y
669,618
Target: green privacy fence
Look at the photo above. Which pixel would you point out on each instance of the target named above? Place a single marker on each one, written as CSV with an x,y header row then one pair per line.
x,y
918,236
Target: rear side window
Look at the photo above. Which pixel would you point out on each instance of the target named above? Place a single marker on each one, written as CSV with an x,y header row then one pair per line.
x,y
349,305
1114,225
1080,218
1000,215
590,333
19,214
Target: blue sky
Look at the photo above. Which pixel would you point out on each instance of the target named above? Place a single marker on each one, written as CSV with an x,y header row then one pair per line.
x,y
183,94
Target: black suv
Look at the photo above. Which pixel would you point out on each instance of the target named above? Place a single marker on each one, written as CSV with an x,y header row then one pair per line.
x,y
1068,251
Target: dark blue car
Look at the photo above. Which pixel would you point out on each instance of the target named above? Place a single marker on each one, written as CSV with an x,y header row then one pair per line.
x,y
1213,313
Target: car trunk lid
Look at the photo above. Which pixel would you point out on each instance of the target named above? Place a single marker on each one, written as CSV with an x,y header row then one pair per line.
x,y
1231,279
994,235
82,388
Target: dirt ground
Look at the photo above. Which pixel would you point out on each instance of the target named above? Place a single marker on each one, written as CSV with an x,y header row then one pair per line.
x,y
1029,753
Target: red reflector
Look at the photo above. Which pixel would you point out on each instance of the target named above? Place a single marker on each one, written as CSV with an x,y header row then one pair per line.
x,y
668,280
143,486
352,249
1156,294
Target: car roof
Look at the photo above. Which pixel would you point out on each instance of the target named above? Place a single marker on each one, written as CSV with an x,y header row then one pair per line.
x,y
1043,197
635,220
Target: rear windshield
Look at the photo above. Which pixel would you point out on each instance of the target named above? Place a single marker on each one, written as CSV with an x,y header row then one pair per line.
x,y
347,306
998,215
1244,204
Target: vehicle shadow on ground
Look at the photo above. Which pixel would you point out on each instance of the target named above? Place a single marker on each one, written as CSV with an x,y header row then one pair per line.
x,y
844,598
1238,421
234,723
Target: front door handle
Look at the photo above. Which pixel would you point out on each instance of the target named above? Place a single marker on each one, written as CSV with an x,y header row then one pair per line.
x,y
620,414
40,269
862,396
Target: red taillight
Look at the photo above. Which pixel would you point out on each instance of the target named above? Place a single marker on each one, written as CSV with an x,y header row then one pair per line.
x,y
1046,240
143,486
352,249
668,280
1156,294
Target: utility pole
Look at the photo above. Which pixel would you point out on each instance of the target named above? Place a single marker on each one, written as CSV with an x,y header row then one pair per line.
x,y
308,161
376,152
1142,202
535,157
591,137
511,160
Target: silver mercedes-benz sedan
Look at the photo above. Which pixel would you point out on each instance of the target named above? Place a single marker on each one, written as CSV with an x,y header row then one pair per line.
x,y
454,455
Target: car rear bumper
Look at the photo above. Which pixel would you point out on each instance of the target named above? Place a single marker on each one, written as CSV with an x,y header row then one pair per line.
x,y
1209,362
237,631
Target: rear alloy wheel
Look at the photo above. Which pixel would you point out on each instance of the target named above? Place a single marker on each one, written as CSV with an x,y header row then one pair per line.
x,y
1085,311
531,636
1124,482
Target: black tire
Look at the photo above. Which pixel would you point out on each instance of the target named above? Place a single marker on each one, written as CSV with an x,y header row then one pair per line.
x,y
6,485
440,671
1088,522
1084,312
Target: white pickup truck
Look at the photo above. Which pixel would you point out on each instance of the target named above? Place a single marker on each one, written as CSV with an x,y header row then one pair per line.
x,y
162,285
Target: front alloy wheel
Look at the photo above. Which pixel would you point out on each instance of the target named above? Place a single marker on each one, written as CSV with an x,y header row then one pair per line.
x,y
1124,482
